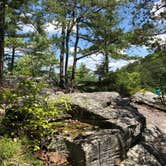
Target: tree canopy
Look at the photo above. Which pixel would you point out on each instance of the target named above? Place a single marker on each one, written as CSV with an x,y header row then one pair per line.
x,y
80,29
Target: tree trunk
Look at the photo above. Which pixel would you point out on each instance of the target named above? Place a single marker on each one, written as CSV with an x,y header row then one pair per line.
x,y
12,60
106,64
2,31
62,82
50,71
75,57
67,56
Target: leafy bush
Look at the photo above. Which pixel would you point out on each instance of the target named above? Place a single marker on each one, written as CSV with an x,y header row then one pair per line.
x,y
24,66
30,112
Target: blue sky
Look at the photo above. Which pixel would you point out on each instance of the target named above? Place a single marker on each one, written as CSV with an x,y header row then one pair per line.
x,y
140,51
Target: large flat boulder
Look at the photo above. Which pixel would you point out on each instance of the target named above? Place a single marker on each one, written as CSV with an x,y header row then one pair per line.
x,y
119,127
105,129
100,130
104,107
150,99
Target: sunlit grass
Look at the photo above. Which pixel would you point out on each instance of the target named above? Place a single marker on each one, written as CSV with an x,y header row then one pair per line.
x,y
16,152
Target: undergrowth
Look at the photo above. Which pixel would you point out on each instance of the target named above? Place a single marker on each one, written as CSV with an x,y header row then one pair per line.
x,y
17,152
28,111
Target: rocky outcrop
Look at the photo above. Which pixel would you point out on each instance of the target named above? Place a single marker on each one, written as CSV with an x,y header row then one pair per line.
x,y
154,117
104,147
104,129
104,109
138,156
150,99
109,129
155,132
151,150
155,142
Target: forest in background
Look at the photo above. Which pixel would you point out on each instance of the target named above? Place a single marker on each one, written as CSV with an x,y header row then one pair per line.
x,y
81,29
145,74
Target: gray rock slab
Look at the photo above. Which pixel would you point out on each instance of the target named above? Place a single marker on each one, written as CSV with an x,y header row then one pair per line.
x,y
150,99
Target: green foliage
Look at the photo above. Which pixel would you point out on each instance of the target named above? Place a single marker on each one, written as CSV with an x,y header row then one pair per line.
x,y
24,66
128,83
31,112
12,44
8,148
148,73
35,65
101,71
84,74
123,82
16,151
7,97
98,28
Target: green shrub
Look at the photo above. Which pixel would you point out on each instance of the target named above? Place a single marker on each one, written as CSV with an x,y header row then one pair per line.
x,y
31,112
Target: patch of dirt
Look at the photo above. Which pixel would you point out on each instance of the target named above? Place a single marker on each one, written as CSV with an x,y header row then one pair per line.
x,y
52,158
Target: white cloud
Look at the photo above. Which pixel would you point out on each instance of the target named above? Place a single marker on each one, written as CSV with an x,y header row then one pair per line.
x,y
117,64
71,50
52,28
9,51
158,8
161,38
26,28
94,60
91,61
55,27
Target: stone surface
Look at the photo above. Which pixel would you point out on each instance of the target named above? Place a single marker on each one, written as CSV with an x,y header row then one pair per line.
x,y
104,107
104,147
116,127
151,151
154,117
139,156
150,99
55,152
104,129
155,142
